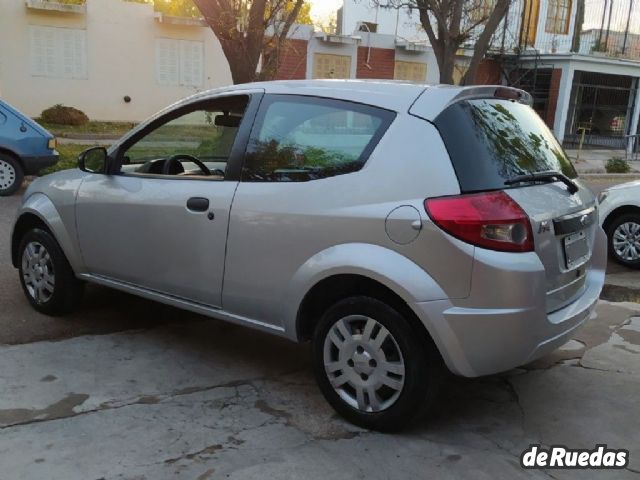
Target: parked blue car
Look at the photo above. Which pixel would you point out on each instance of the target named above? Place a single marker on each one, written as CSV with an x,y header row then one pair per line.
x,y
25,148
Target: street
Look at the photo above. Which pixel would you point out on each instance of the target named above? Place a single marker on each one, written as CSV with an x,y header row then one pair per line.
x,y
129,389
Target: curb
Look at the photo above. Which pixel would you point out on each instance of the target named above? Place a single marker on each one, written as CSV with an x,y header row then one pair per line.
x,y
87,136
609,176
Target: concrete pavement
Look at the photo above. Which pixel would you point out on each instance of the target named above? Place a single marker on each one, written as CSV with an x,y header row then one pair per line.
x,y
129,389
201,400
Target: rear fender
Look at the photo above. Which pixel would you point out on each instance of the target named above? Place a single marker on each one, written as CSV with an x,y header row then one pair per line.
x,y
381,264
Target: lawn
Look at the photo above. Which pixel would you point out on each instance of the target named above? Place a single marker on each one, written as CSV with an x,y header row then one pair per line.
x,y
93,127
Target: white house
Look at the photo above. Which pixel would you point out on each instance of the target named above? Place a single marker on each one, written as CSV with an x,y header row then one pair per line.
x,y
113,59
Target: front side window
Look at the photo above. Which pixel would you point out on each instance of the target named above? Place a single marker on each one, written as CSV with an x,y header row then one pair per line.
x,y
192,141
558,15
306,138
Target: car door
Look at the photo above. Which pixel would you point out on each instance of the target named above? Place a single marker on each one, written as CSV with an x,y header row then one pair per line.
x,y
297,196
162,224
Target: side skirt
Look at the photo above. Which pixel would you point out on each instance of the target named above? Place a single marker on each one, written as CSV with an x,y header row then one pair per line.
x,y
182,303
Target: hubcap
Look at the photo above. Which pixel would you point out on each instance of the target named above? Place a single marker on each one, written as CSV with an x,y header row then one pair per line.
x,y
626,241
7,175
37,272
363,363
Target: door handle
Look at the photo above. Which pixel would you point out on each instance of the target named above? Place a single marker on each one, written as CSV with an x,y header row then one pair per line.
x,y
198,204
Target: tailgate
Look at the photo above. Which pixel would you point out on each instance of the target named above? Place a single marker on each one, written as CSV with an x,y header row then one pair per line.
x,y
564,228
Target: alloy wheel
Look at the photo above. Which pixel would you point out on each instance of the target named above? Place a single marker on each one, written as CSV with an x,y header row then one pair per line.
x,y
363,363
37,272
626,241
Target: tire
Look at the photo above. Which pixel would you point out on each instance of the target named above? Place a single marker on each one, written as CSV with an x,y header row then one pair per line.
x,y
623,232
11,175
411,390
45,274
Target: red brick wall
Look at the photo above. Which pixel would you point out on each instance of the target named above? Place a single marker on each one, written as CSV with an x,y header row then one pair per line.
x,y
488,73
381,61
292,64
552,103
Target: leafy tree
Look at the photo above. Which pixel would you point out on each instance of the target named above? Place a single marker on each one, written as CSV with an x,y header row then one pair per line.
x,y
450,24
252,32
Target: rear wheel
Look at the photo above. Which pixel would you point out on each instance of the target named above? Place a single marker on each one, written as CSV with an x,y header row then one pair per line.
x,y
624,239
372,365
45,274
11,175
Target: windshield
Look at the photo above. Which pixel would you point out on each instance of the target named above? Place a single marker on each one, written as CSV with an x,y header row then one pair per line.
x,y
491,141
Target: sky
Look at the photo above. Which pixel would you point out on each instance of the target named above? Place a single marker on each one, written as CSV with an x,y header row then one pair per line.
x,y
321,10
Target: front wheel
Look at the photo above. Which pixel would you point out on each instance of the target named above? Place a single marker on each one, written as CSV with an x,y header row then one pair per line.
x,y
45,274
11,175
624,239
372,365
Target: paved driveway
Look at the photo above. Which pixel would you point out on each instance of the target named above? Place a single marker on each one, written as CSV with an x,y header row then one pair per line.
x,y
129,389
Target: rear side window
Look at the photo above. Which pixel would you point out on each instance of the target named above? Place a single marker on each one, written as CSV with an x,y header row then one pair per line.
x,y
297,139
491,141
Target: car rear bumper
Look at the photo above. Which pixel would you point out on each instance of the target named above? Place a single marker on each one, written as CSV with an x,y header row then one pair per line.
x,y
483,341
34,163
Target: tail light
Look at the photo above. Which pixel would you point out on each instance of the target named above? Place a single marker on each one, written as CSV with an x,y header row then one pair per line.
x,y
490,220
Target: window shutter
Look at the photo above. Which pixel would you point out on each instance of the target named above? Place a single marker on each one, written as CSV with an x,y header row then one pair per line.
x,y
38,52
167,61
67,41
80,54
58,52
410,71
191,59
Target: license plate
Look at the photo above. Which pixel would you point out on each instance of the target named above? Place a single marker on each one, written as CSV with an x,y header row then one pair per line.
x,y
576,249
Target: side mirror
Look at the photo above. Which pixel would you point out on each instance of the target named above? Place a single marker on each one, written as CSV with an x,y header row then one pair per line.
x,y
93,160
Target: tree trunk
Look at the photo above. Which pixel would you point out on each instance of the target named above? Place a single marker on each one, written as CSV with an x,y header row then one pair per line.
x,y
481,47
243,47
452,31
577,30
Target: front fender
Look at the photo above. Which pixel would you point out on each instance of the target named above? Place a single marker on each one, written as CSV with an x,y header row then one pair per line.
x,y
41,206
381,264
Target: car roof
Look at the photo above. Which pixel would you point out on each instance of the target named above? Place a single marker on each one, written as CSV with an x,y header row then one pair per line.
x,y
390,94
425,101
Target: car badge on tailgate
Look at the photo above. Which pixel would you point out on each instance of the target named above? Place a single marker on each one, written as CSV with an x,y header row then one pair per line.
x,y
545,226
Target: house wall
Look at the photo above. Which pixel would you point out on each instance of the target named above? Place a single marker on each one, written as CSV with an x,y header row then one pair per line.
x,y
376,63
489,73
292,64
121,60
405,23
554,92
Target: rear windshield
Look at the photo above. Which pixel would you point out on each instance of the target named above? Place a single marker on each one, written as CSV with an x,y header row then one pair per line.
x,y
491,141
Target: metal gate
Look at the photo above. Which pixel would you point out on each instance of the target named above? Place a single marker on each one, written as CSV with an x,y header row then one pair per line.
x,y
601,109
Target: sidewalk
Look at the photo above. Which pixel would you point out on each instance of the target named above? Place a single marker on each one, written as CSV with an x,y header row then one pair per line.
x,y
593,161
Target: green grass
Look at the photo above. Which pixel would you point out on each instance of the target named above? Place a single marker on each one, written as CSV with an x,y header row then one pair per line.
x,y
93,127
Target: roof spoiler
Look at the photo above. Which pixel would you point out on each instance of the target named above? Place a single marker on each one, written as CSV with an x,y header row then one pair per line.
x,y
428,106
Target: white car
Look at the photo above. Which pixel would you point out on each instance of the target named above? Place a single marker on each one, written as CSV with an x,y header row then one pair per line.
x,y
620,219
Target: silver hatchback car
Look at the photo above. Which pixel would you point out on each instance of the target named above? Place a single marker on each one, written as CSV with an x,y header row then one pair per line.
x,y
403,229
